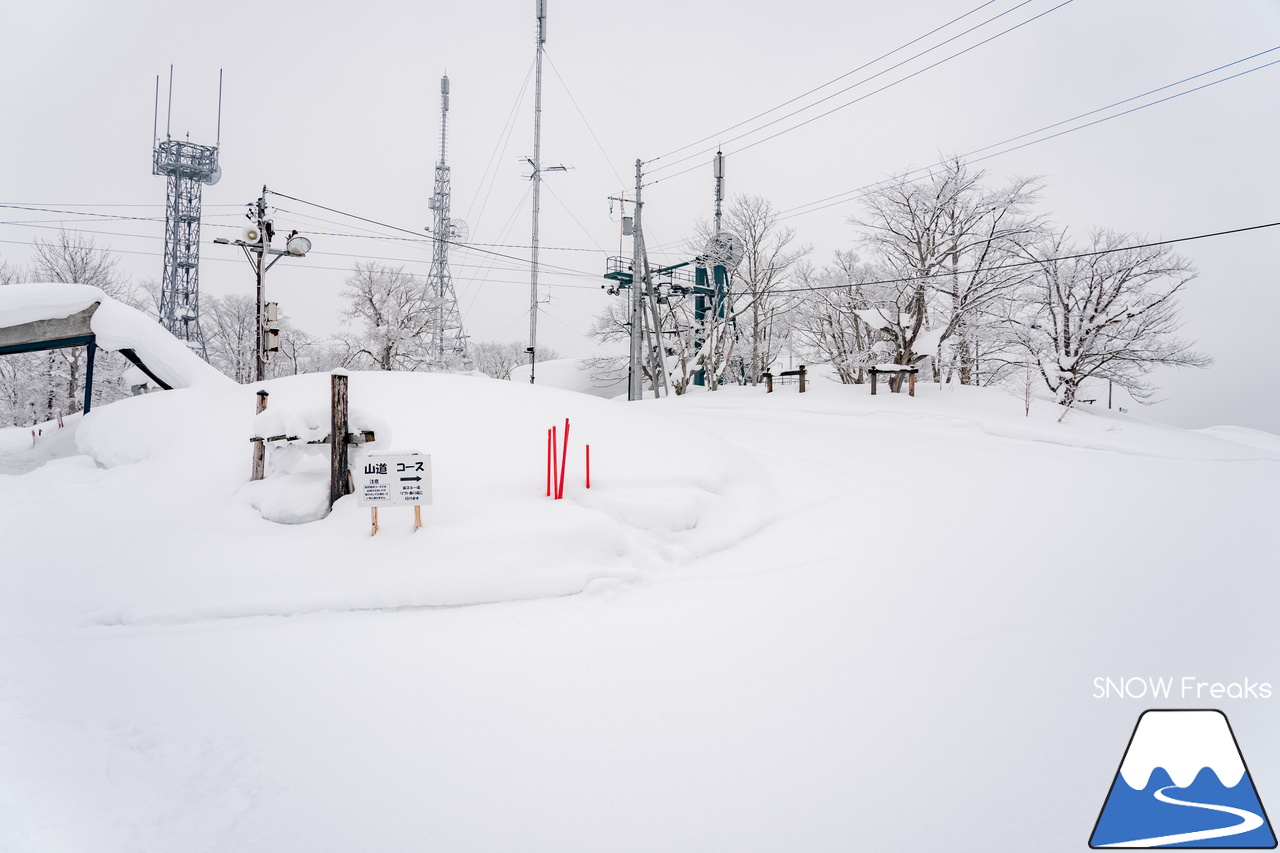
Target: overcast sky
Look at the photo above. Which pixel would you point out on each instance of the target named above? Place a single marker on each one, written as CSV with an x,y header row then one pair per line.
x,y
338,104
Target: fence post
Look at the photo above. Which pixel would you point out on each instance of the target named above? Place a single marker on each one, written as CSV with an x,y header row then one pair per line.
x,y
260,447
338,473
802,379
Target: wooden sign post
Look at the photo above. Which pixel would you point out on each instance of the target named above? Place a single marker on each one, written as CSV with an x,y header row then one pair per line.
x,y
393,479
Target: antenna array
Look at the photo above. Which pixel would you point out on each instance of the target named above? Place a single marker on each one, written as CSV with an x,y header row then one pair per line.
x,y
188,167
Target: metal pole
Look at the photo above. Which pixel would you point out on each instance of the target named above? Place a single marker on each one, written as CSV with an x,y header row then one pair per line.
x,y
635,385
537,190
260,356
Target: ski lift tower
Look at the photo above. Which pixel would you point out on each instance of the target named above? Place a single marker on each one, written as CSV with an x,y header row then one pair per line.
x,y
188,167
448,347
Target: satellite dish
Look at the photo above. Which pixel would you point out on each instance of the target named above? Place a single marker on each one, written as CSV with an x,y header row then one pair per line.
x,y
724,249
251,234
214,176
458,231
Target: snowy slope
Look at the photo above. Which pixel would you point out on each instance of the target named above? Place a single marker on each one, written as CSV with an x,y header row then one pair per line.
x,y
775,622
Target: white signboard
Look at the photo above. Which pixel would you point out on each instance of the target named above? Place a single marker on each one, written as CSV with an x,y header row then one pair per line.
x,y
393,479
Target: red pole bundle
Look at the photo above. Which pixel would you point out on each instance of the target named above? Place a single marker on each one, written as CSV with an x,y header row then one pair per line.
x,y
564,459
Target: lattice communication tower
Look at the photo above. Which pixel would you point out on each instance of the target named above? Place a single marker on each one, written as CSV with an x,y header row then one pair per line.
x,y
448,344
188,167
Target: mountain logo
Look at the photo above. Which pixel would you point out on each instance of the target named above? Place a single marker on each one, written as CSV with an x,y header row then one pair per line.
x,y
1183,783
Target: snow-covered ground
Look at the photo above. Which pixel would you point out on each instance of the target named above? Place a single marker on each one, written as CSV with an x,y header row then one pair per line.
x,y
774,622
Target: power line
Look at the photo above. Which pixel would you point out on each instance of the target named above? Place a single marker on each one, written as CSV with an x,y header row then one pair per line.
x,y
849,103
861,67
849,195
583,116
463,246
1037,262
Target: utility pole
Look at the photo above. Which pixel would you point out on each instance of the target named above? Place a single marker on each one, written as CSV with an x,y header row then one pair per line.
x,y
265,233
635,384
537,190
256,240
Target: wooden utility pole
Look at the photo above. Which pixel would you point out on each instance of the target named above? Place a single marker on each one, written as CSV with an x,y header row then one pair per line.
x,y
260,446
338,485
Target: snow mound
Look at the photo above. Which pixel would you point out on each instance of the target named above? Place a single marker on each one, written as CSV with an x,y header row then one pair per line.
x,y
169,475
573,374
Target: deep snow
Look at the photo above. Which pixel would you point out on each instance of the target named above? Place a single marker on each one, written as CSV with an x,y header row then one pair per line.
x,y
775,622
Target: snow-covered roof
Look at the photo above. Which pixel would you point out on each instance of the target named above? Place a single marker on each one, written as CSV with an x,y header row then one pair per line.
x,y
115,326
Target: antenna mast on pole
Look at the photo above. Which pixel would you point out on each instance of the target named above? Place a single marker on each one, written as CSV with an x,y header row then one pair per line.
x,y
537,190
719,170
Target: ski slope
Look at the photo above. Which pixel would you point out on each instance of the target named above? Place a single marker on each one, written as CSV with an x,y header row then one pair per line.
x,y
775,622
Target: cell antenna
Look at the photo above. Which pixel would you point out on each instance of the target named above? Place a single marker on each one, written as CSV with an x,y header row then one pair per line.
x,y
168,119
218,139
155,117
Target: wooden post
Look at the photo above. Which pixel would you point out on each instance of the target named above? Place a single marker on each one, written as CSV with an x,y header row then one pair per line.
x,y
802,379
338,485
417,517
911,382
373,514
873,373
768,382
260,447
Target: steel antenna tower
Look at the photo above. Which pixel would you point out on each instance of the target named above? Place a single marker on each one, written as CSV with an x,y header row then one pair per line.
x,y
187,166
449,347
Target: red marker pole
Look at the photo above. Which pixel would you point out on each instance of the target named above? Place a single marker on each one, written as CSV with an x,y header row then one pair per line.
x,y
555,462
588,466
549,445
564,460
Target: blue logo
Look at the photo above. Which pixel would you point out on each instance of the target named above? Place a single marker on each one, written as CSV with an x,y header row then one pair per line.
x,y
1183,783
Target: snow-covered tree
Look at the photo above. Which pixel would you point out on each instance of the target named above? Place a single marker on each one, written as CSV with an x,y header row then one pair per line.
x,y
947,239
498,359
44,385
828,327
1103,311
389,317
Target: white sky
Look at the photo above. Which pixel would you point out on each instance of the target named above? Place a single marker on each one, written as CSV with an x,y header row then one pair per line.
x,y
339,104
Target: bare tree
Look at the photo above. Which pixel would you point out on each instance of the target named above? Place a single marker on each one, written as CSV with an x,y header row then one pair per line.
x,y
1111,314
74,258
946,239
829,327
391,316
499,359
230,333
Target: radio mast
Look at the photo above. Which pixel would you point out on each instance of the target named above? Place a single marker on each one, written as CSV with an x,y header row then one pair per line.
x,y
187,167
448,347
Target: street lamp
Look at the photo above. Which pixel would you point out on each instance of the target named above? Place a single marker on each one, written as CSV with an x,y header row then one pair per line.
x,y
256,241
